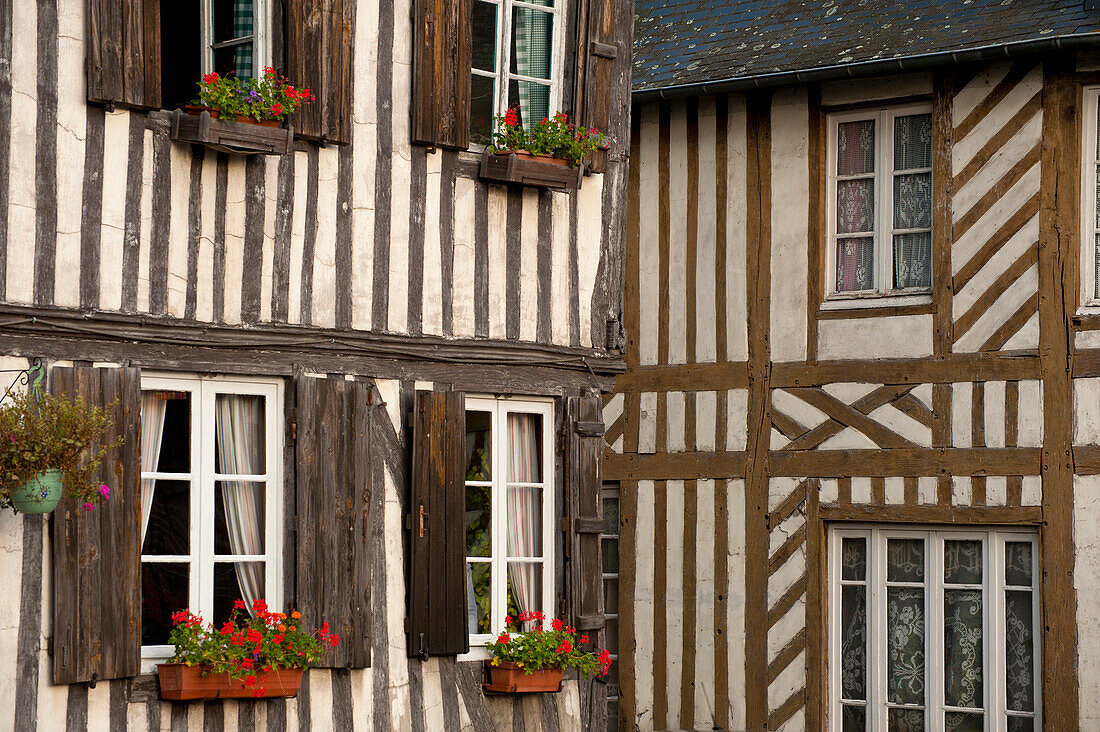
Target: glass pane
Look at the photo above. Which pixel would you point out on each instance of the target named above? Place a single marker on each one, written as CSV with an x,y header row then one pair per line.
x,y
524,590
905,560
479,597
1098,193
235,59
478,521
855,206
611,516
524,522
855,145
1021,724
853,558
531,100
913,201
611,637
963,722
525,448
1019,651
484,36
913,141
532,42
853,642
238,517
612,714
168,529
905,645
610,548
855,264
962,648
611,596
236,581
854,719
913,260
166,431
164,590
962,562
1018,563
479,450
482,99
240,434
233,19
1096,292
906,720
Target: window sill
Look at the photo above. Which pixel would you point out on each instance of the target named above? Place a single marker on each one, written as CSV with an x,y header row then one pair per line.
x,y
875,306
476,653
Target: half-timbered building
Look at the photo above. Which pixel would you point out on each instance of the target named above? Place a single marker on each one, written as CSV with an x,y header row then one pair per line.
x,y
354,374
856,441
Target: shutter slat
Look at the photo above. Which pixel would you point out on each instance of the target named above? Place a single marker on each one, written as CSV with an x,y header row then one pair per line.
x,y
601,83
583,459
442,55
320,36
123,54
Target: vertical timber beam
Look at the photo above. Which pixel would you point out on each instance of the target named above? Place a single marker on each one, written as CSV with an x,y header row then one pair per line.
x,y
1058,245
758,261
943,237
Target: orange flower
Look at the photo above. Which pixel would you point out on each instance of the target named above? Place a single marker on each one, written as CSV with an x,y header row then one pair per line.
x,y
282,628
295,615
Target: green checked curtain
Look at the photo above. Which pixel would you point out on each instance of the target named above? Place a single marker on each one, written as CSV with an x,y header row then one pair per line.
x,y
243,27
533,38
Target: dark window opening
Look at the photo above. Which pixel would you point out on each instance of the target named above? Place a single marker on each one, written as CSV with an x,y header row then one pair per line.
x,y
181,44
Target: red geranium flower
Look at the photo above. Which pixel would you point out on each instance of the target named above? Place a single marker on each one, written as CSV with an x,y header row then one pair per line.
x,y
555,624
334,639
504,638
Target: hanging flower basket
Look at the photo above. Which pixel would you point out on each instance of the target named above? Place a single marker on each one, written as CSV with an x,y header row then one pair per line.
x,y
40,494
180,682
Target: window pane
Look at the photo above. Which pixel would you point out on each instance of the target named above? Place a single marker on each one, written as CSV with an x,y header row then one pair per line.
x,y
1021,724
855,264
239,435
855,719
1096,292
484,36
962,722
525,448
479,449
905,645
1019,651
238,517
962,648
164,590
855,146
913,201
912,260
853,558
611,637
479,597
611,515
482,99
233,19
610,548
478,521
611,596
913,141
532,42
524,590
236,581
905,560
168,528
166,431
855,206
531,99
853,642
524,522
1018,563
962,562
906,720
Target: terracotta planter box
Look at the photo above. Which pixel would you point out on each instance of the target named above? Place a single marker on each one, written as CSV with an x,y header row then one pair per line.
x,y
180,682
508,678
245,137
521,168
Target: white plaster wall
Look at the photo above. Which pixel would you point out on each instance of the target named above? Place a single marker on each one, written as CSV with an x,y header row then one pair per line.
x,y
899,336
865,90
789,224
1086,581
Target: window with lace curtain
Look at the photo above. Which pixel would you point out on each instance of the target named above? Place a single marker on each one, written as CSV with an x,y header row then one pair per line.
x,y
509,512
880,202
934,630
1090,203
211,492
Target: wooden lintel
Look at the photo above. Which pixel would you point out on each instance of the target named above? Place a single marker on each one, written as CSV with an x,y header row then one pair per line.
x,y
968,515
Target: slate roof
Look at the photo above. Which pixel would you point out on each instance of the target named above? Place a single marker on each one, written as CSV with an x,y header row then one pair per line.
x,y
682,42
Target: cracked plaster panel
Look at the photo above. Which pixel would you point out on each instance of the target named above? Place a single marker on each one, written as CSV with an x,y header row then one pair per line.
x,y
890,337
852,91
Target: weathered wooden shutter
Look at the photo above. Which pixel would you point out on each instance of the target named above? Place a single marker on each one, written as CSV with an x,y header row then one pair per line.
x,y
333,486
441,73
123,52
319,38
97,554
437,525
601,81
584,443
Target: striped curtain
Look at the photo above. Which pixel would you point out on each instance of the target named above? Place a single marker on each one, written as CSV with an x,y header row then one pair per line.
x,y
153,406
524,509
533,43
240,452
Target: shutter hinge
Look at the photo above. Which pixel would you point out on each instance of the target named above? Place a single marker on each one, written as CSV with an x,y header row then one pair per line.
x,y
587,525
294,431
603,50
589,429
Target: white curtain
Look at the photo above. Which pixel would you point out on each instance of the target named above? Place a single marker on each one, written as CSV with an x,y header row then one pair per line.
x,y
524,509
153,405
240,451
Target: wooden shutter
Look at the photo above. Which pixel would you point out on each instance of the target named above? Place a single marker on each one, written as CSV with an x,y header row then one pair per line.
x,y
584,443
96,554
319,39
123,52
601,80
437,524
333,486
441,73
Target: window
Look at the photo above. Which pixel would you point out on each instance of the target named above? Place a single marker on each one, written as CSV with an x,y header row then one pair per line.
x,y
880,202
211,488
934,630
609,550
509,512
515,63
1090,210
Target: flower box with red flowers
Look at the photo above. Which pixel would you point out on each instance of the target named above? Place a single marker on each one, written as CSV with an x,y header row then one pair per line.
x,y
546,154
255,653
528,658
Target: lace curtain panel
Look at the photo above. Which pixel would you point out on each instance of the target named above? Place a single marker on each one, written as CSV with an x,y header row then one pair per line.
x,y
855,206
239,439
524,511
912,196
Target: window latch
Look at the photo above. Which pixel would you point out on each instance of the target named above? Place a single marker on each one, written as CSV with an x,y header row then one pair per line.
x,y
422,515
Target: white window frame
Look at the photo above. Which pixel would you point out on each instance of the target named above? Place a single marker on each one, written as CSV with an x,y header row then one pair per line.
x,y
884,229
502,76
1090,303
204,390
993,590
261,36
499,409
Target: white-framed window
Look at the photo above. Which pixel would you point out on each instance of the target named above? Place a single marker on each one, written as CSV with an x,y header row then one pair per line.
x,y
517,62
235,36
211,499
879,212
1090,195
934,630
509,512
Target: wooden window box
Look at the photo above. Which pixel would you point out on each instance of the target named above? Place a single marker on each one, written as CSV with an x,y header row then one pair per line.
x,y
235,138
524,169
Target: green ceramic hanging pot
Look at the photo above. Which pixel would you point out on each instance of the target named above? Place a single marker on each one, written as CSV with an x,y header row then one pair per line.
x,y
40,494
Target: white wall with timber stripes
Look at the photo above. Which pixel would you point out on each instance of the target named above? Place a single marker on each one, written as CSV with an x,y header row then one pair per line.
x,y
105,213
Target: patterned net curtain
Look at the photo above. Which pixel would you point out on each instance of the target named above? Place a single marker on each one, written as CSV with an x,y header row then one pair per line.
x,y
1096,259
855,206
913,201
532,44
